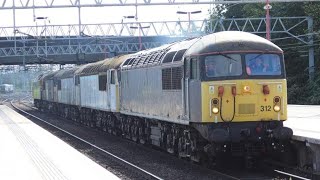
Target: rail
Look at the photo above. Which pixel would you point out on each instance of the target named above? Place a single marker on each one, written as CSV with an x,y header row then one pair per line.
x,y
291,175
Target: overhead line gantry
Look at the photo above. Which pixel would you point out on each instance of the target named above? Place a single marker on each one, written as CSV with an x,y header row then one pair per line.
x,y
23,36
30,4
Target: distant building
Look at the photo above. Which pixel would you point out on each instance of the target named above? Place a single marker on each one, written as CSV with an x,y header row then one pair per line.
x,y
6,88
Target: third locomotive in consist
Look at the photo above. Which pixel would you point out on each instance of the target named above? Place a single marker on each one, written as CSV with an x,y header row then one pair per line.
x,y
199,98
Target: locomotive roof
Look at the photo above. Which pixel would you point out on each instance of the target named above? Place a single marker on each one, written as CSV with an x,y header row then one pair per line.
x,y
156,56
116,62
48,76
101,66
233,42
89,68
65,73
40,76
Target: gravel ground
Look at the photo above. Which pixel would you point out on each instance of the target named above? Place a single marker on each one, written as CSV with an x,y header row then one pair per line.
x,y
159,163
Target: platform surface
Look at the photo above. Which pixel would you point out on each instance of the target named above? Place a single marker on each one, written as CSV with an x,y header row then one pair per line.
x,y
304,120
28,152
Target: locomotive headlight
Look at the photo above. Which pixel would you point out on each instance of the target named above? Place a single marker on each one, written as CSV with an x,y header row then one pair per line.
x,y
246,88
215,110
276,108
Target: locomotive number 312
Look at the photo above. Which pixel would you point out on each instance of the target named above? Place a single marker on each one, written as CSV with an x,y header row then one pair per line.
x,y
265,108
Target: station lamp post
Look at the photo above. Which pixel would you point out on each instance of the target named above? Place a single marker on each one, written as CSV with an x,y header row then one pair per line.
x,y
128,17
45,19
189,16
267,7
139,27
23,49
123,18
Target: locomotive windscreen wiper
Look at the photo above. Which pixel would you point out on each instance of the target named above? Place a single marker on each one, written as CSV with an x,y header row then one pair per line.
x,y
227,56
257,56
230,62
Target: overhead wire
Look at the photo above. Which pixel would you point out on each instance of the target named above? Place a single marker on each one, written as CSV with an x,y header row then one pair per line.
x,y
301,46
294,45
308,34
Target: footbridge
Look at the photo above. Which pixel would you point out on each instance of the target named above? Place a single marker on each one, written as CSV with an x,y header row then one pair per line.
x,y
65,44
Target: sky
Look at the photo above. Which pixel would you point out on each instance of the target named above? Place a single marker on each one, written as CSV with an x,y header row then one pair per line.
x,y
95,15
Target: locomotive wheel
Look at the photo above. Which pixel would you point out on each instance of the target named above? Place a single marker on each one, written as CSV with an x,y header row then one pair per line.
x,y
249,162
170,143
181,148
113,126
104,125
195,154
92,121
288,156
99,120
129,127
122,127
65,113
141,135
142,139
134,130
109,128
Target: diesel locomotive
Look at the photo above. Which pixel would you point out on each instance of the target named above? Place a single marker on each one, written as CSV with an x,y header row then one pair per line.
x,y
197,98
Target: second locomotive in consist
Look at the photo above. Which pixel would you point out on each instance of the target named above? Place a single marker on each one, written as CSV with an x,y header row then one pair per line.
x,y
223,92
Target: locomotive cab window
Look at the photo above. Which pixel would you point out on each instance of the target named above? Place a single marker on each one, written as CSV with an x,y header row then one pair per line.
x,y
194,69
263,64
102,82
77,80
59,84
127,62
179,55
223,65
113,79
43,85
169,57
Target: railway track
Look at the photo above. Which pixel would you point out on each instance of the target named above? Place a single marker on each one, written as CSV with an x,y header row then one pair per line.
x,y
289,172
281,174
291,175
3,101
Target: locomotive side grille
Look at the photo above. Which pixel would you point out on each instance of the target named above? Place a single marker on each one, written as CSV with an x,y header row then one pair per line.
x,y
176,77
171,78
247,108
166,79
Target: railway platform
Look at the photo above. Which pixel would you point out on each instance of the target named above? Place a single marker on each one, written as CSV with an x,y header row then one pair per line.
x,y
29,152
304,120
